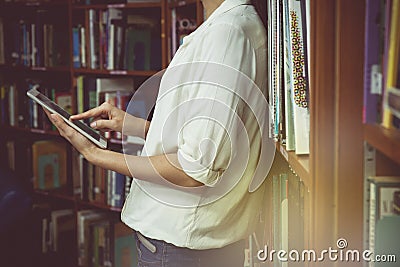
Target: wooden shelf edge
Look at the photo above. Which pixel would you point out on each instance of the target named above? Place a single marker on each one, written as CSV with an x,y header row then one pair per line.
x,y
38,3
98,205
116,72
182,3
30,130
139,4
299,163
35,69
60,194
55,194
385,140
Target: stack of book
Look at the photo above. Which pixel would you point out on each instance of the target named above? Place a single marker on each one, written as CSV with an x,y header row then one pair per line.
x,y
288,73
113,40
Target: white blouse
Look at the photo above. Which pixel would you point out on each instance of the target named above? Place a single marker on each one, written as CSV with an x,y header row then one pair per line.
x,y
201,114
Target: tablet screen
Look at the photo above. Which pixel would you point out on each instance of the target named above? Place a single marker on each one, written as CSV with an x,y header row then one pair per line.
x,y
66,115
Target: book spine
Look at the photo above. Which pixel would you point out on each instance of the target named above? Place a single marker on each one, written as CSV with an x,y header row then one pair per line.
x,y
2,51
392,64
75,48
111,41
83,46
33,45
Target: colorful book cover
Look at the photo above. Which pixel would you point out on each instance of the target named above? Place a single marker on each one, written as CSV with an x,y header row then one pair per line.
x,y
124,246
76,48
49,164
299,80
287,67
393,59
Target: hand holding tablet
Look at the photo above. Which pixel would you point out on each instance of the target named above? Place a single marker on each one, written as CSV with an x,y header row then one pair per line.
x,y
81,127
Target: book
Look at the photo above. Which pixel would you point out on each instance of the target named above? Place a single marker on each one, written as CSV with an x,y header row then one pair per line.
x,y
107,85
94,39
124,253
372,64
287,68
84,219
388,239
2,51
381,203
49,164
392,103
138,42
82,46
393,59
76,59
62,221
299,79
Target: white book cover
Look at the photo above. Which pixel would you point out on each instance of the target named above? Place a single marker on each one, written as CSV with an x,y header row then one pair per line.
x,y
110,52
33,44
92,41
299,81
270,67
82,44
12,109
289,121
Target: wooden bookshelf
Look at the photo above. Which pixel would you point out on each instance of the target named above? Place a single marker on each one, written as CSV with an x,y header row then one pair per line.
x,y
38,69
30,130
97,205
174,4
299,163
385,140
35,4
142,73
56,194
64,195
143,4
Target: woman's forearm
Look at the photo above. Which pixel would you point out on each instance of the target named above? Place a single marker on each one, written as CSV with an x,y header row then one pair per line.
x,y
134,126
151,169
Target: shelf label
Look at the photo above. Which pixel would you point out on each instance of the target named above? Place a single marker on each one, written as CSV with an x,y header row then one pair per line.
x,y
38,131
32,3
376,80
118,72
116,6
39,68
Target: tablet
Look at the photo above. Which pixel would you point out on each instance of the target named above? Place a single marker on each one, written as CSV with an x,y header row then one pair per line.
x,y
81,127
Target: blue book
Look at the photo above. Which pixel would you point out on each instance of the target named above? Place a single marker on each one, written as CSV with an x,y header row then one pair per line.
x,y
118,190
75,48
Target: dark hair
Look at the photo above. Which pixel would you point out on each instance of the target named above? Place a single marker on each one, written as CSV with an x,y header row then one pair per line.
x,y
261,8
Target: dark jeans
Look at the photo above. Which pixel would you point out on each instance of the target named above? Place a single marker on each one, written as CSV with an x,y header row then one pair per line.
x,y
168,255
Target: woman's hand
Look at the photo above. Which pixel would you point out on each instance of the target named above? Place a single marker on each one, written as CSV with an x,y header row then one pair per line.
x,y
106,117
81,143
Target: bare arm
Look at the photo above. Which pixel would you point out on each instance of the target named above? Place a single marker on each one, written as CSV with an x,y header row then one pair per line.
x,y
150,169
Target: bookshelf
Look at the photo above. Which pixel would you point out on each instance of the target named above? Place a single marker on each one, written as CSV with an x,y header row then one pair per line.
x,y
23,68
331,175
187,11
387,141
332,172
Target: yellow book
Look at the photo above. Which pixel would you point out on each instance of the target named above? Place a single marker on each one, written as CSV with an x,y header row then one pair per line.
x,y
392,68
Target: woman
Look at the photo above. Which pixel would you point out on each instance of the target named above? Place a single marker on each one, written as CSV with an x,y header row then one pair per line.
x,y
196,153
